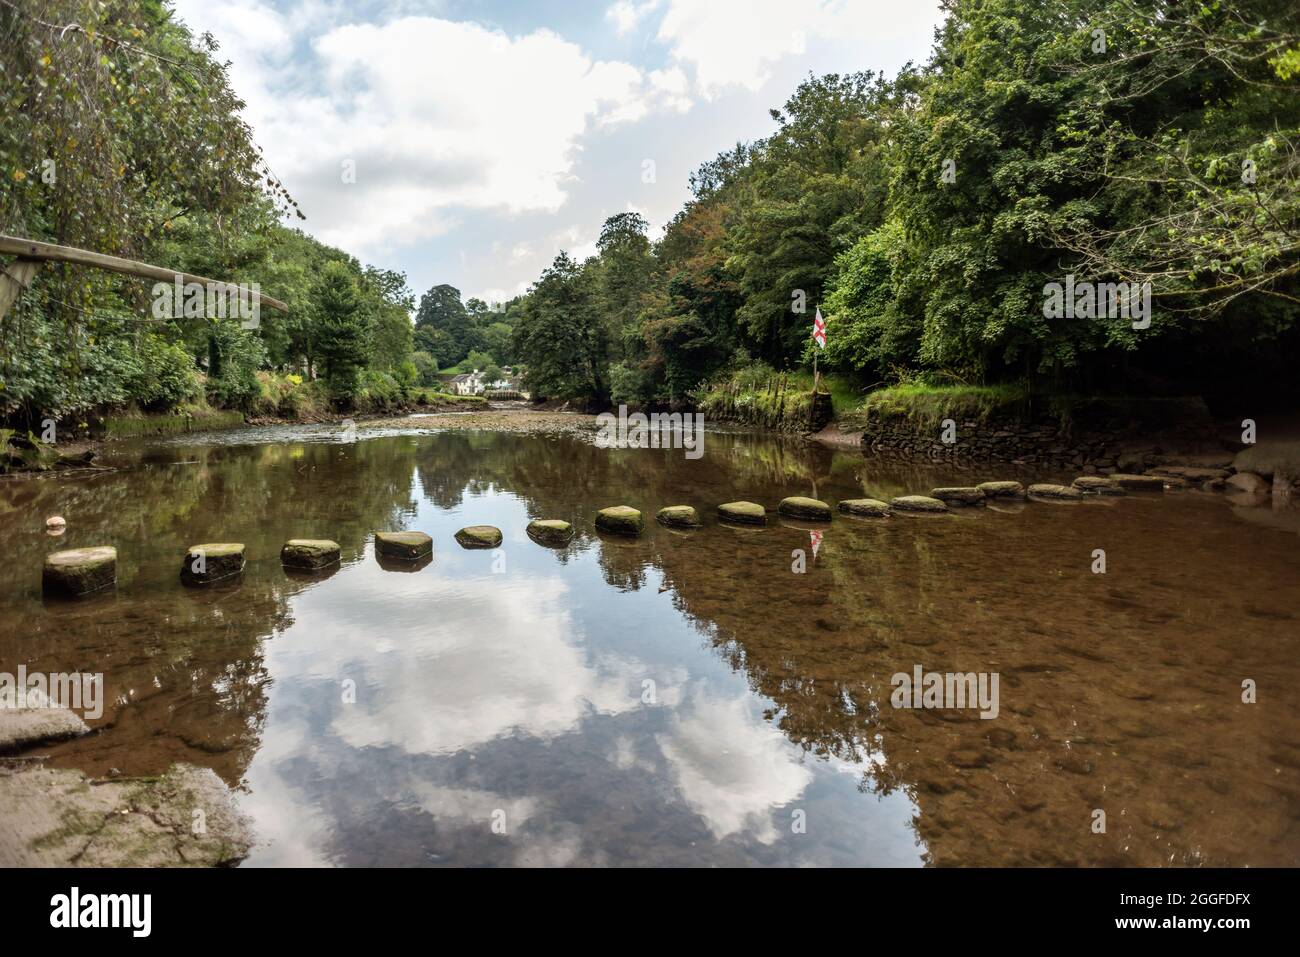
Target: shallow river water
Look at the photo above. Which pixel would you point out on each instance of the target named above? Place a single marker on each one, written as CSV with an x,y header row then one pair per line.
x,y
684,698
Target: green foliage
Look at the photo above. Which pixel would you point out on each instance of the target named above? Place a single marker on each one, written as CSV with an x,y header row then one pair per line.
x,y
341,331
426,369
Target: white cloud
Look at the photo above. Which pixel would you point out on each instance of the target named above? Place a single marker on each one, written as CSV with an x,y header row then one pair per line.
x,y
438,118
733,768
735,42
626,14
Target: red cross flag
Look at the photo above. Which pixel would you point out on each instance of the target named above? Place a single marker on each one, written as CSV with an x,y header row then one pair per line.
x,y
819,329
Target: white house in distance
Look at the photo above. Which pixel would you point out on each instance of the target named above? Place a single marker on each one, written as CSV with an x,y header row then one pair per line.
x,y
467,383
473,383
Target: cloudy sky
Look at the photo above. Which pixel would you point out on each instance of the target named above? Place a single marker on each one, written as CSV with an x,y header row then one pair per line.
x,y
485,136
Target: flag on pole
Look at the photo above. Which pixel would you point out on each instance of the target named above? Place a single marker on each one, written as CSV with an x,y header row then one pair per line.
x,y
819,329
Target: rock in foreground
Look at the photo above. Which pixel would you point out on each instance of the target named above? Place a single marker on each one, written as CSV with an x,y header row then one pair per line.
x,y
797,506
38,721
867,507
620,520
743,513
309,554
551,532
678,516
404,546
212,562
479,536
54,818
79,571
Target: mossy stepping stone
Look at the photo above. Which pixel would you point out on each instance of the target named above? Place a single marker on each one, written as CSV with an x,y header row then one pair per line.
x,y
917,503
1002,489
212,562
404,546
79,571
309,554
551,532
1097,485
1139,483
797,506
620,520
479,536
678,516
743,513
962,496
865,507
1055,493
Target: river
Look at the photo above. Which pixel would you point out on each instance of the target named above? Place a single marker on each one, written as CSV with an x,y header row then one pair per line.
x,y
700,697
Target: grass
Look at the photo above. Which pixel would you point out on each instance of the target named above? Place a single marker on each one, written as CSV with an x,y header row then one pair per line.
x,y
434,397
189,419
930,404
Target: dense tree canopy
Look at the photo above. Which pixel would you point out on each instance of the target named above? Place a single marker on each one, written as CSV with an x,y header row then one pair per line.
x,y
1140,141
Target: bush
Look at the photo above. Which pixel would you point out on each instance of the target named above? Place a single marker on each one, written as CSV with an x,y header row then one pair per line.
x,y
238,355
426,368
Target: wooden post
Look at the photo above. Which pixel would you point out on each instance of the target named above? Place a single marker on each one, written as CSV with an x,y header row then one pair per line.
x,y
14,280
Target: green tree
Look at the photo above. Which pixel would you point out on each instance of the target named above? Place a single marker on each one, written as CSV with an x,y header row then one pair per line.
x,y
342,332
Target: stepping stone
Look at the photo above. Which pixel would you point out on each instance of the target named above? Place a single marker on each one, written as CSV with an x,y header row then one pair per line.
x,y
479,536
1056,493
404,546
867,507
212,562
620,520
1002,489
962,496
79,571
38,720
743,513
1139,483
917,503
1097,485
678,516
551,532
806,508
309,554
1189,473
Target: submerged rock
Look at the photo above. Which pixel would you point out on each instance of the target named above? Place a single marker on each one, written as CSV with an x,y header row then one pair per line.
x,y
960,496
620,520
868,507
38,721
80,571
404,546
1002,489
1255,486
1097,485
917,503
479,536
309,554
1058,493
55,818
212,562
1193,475
550,531
678,516
797,506
1139,483
743,513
